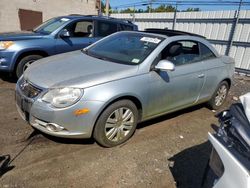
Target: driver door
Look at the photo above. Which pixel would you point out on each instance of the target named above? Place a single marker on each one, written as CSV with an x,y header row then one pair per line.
x,y
172,90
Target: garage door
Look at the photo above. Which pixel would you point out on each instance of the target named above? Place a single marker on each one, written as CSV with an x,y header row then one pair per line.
x,y
29,19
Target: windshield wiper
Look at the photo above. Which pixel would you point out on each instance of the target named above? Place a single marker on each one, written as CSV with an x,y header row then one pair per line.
x,y
85,51
93,55
102,58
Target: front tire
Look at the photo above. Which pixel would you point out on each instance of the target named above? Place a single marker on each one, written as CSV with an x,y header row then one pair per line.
x,y
219,96
25,62
116,124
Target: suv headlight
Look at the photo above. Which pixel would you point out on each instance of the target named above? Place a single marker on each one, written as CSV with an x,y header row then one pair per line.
x,y
5,44
63,97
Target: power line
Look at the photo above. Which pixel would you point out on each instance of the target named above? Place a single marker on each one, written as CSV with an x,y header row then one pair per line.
x,y
204,3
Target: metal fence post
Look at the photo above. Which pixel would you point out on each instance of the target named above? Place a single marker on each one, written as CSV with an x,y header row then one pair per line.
x,y
233,29
232,33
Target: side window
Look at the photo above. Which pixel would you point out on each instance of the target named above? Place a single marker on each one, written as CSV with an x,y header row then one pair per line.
x,y
182,52
106,28
206,53
126,27
81,29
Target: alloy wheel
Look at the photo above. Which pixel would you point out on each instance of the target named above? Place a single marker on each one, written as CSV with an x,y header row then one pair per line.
x,y
221,95
119,124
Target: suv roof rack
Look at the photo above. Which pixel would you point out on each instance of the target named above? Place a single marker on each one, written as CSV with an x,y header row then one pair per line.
x,y
170,33
108,17
100,16
76,15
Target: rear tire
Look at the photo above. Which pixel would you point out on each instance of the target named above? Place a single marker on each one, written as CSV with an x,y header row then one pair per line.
x,y
219,96
24,63
116,124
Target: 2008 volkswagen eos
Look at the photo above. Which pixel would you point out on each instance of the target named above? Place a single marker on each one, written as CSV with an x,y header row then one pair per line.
x,y
105,89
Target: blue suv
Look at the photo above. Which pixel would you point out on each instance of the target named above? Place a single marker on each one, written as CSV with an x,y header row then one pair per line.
x,y
57,35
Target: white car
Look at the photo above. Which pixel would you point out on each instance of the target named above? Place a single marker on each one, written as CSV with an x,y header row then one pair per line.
x,y
229,165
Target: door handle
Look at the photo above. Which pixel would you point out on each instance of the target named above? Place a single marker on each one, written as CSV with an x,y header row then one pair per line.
x,y
201,75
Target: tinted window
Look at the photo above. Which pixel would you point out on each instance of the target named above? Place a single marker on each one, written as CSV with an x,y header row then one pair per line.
x,y
126,27
206,53
126,48
182,52
81,29
106,28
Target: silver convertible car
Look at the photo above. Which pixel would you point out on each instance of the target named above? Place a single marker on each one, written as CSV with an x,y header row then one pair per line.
x,y
104,90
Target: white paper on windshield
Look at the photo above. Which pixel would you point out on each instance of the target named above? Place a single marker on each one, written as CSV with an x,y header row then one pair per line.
x,y
135,60
245,100
152,40
64,19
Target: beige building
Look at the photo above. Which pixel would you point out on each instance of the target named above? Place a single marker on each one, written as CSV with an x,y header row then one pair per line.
x,y
22,14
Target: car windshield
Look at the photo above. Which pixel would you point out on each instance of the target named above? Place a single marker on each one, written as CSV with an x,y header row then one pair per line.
x,y
125,47
50,25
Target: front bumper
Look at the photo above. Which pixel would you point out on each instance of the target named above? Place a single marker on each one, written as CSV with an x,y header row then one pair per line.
x,y
7,59
40,115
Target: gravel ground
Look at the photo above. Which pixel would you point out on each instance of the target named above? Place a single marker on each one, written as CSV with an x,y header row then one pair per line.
x,y
168,151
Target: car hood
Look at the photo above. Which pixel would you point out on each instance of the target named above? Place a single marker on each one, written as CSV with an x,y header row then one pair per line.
x,y
76,69
19,35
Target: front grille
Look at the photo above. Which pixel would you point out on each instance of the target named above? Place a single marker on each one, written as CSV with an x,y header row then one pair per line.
x,y
28,89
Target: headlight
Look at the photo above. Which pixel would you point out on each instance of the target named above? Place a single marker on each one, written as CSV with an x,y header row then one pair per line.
x,y
63,97
5,44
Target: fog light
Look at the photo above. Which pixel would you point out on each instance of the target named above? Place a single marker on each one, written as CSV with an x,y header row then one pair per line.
x,y
53,127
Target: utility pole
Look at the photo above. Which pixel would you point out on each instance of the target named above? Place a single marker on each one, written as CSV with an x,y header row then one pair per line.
x,y
134,15
150,6
107,7
100,8
175,16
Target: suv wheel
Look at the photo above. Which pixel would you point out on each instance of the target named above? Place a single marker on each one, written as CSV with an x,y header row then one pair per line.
x,y
25,62
116,124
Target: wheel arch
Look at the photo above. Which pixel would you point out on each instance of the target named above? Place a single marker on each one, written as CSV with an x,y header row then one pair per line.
x,y
132,98
209,102
29,52
229,81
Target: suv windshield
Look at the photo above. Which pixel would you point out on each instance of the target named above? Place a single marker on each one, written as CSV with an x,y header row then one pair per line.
x,y
125,47
50,25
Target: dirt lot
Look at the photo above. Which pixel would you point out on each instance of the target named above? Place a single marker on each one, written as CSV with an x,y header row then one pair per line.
x,y
30,159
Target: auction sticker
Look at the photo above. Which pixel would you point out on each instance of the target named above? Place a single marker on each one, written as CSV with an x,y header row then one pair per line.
x,y
152,40
135,60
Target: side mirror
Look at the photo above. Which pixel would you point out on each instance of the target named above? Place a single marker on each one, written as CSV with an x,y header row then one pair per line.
x,y
64,33
165,65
